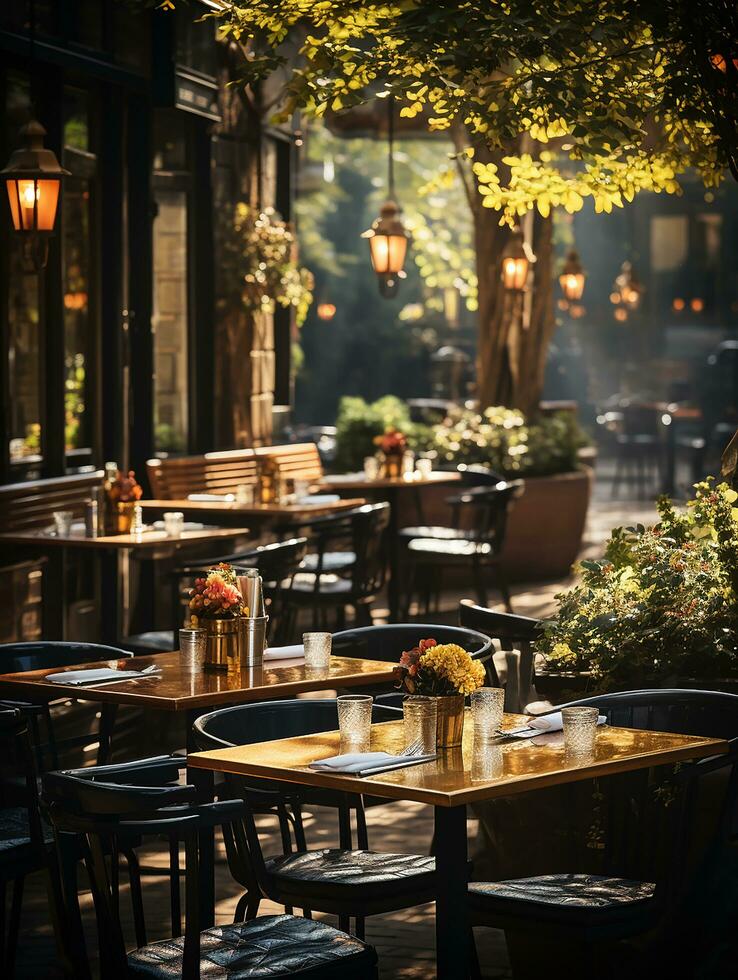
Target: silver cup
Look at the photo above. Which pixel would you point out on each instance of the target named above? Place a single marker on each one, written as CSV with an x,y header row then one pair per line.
x,y
252,640
252,590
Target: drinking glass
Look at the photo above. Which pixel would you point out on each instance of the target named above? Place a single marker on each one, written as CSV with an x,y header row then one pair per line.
x,y
355,718
174,523
580,728
245,494
488,706
408,462
317,649
302,489
192,645
420,715
63,522
371,467
424,466
137,519
487,760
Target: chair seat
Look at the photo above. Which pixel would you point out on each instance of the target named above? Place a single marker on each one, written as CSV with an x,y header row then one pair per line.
x,y
270,946
431,531
304,582
15,834
333,561
449,548
155,641
575,898
323,873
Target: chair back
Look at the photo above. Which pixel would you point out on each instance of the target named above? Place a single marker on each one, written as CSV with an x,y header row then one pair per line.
x,y
369,536
642,419
30,505
387,643
293,461
46,654
15,745
484,511
266,721
514,661
223,472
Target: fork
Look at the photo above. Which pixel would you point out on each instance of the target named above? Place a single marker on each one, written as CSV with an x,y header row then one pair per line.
x,y
414,748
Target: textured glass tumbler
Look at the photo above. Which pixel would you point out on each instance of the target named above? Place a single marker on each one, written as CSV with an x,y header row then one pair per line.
x,y
420,715
192,644
355,718
174,523
63,522
317,649
488,707
371,467
580,728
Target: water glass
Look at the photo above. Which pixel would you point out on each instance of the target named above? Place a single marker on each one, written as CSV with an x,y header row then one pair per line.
x,y
488,707
174,523
487,760
355,718
245,494
408,463
317,649
137,523
63,522
302,489
371,467
424,466
580,728
192,645
420,717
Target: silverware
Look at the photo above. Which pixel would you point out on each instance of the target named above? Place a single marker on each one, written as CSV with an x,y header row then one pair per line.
x,y
414,748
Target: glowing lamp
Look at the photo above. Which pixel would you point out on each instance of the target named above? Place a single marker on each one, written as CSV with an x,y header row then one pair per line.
x,y
629,286
387,241
572,277
516,261
326,311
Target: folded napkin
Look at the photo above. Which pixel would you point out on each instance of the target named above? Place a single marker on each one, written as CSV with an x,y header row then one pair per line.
x,y
295,652
318,498
228,497
545,723
360,763
98,675
341,477
187,526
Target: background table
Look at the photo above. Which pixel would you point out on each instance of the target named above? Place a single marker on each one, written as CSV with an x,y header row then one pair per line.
x,y
226,511
459,776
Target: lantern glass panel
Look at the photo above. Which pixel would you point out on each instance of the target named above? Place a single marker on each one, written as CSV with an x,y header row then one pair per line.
x,y
572,285
21,195
515,272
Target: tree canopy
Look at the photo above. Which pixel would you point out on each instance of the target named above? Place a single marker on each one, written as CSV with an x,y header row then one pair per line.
x,y
611,96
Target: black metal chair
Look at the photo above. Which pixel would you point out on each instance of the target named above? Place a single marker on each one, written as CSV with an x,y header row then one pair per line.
x,y
475,538
362,531
648,835
106,813
277,563
513,663
26,843
639,448
45,655
387,643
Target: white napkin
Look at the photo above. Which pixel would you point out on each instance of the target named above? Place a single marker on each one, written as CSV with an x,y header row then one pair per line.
x,y
187,526
97,675
228,497
341,477
546,723
360,762
318,498
295,652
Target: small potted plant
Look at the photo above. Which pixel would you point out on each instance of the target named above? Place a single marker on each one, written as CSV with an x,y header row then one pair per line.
x,y
392,445
446,672
217,604
123,493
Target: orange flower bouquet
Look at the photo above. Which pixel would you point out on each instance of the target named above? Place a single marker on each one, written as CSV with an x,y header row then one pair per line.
x,y
217,596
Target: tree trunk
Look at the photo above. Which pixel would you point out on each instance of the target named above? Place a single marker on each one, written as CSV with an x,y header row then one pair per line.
x,y
514,329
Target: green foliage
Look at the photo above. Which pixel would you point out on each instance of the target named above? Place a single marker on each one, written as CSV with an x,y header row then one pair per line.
x,y
662,603
627,94
358,424
502,439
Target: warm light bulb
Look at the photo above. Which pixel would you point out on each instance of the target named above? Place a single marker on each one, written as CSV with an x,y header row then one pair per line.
x,y
27,194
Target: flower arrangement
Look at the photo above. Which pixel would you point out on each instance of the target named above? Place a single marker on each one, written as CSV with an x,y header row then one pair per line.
x,y
663,602
124,489
392,442
438,670
217,596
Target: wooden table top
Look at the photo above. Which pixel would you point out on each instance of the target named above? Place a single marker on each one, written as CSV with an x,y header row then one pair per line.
x,y
356,481
292,512
182,686
146,539
463,775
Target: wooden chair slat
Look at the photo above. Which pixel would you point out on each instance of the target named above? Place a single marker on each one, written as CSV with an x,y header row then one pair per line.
x,y
24,506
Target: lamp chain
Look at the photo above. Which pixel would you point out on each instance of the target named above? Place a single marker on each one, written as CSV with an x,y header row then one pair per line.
x,y
391,141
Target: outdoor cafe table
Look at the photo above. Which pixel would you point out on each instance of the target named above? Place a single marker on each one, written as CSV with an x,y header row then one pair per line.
x,y
450,783
393,490
115,551
257,515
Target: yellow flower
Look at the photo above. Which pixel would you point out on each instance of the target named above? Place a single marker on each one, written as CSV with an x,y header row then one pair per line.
x,y
453,662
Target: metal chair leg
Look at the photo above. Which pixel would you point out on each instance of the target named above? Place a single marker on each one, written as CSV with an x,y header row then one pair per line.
x,y
174,897
14,925
134,879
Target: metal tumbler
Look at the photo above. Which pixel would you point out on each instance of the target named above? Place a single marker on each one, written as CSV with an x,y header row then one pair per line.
x,y
252,640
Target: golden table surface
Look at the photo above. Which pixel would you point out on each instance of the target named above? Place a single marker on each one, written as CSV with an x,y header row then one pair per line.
x,y
462,775
291,512
148,539
353,481
184,687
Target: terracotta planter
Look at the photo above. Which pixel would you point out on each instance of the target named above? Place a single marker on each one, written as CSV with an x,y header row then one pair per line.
x,y
450,720
124,512
222,644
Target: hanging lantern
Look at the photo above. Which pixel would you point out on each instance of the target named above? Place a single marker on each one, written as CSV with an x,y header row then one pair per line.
x,y
629,287
572,277
33,178
387,236
516,261
326,311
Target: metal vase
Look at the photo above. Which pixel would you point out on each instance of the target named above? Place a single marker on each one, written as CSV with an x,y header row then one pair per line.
x,y
450,720
222,643
251,640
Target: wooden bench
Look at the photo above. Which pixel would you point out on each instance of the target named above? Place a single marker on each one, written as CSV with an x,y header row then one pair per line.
x,y
30,505
223,472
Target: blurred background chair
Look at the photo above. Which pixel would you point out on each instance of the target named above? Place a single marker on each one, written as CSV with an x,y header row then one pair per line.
x,y
639,449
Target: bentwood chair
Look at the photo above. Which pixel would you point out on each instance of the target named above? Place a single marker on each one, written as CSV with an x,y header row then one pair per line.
x,y
513,662
45,655
662,837
105,815
474,539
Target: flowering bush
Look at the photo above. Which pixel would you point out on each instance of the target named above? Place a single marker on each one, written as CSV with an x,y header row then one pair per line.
x,y
217,596
392,442
438,669
125,489
662,603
